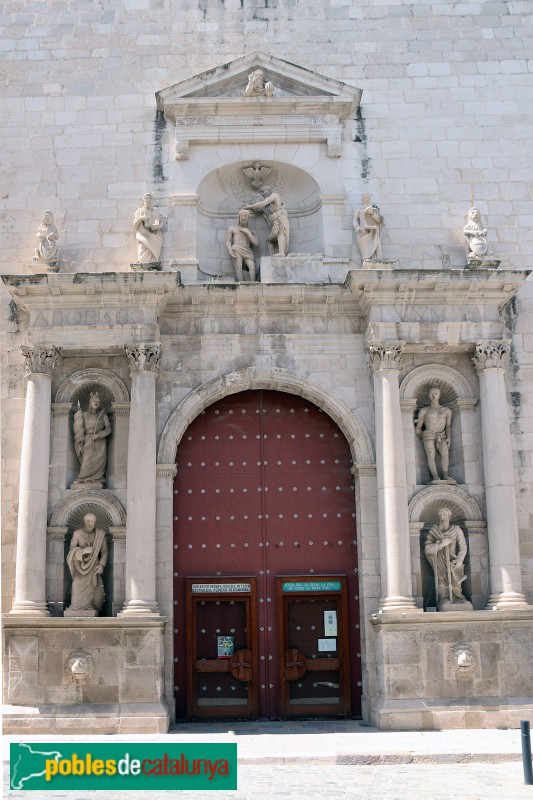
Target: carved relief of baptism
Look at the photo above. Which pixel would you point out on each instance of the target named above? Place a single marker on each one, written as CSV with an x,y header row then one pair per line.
x,y
283,215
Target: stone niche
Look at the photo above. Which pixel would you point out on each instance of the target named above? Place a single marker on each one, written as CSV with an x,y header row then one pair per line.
x,y
453,670
118,689
224,191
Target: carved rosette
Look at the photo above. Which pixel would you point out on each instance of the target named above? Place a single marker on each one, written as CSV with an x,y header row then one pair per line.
x,y
385,355
42,358
143,357
490,355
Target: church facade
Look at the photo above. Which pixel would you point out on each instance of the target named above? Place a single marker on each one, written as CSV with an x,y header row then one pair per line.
x,y
266,382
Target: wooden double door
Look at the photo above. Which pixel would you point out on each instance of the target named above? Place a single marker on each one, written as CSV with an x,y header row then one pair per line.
x,y
264,496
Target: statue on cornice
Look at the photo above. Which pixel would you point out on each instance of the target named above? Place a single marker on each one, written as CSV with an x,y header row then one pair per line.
x,y
47,234
368,224
476,242
147,224
256,87
278,238
239,243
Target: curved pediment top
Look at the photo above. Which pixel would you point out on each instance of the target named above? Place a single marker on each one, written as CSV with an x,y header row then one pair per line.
x,y
229,81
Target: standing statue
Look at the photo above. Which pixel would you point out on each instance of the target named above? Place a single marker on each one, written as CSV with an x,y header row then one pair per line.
x,y
147,224
278,238
434,425
47,249
91,428
86,560
476,243
256,87
367,223
240,249
445,549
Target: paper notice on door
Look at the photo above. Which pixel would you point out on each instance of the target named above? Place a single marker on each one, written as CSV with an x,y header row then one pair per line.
x,y
330,623
327,645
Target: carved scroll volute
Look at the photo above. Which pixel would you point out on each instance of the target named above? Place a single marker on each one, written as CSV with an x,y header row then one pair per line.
x,y
240,665
295,664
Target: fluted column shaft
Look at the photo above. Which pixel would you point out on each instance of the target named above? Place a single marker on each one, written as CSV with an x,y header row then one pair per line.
x,y
500,492
141,486
30,570
394,541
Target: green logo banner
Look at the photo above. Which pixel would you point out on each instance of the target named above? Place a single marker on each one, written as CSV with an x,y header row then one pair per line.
x,y
112,767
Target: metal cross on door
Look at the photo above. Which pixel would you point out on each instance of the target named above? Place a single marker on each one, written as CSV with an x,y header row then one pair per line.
x,y
264,488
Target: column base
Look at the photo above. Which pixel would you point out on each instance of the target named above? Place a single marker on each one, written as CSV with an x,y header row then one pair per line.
x,y
503,600
139,608
28,608
395,604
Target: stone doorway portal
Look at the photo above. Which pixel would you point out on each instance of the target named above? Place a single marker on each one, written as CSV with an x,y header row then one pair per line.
x,y
264,489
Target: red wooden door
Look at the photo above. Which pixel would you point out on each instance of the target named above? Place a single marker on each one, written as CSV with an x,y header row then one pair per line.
x,y
264,488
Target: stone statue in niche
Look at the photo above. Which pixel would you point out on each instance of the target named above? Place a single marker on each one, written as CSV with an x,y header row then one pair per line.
x,y
476,243
257,174
445,549
48,236
147,224
368,223
239,243
86,560
256,86
91,429
278,219
434,426
80,667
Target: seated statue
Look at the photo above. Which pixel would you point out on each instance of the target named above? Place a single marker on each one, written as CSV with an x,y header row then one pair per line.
x,y
47,249
239,241
256,87
476,243
445,549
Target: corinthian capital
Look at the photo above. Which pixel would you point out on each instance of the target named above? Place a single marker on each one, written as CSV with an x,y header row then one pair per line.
x,y
143,357
385,355
490,354
42,358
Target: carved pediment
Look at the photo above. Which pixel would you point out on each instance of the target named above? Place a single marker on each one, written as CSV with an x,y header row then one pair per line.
x,y
229,81
298,105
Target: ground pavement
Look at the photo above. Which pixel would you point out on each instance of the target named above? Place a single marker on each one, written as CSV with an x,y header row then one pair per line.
x,y
330,760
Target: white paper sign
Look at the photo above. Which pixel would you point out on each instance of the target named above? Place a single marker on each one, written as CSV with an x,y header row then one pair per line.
x,y
330,623
327,645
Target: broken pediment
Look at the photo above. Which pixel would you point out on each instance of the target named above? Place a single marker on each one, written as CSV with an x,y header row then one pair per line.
x,y
258,97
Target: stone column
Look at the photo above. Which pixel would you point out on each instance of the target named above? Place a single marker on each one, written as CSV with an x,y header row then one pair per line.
x,y
394,540
30,571
500,494
141,488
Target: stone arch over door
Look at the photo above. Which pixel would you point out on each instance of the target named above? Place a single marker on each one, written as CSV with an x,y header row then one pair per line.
x,y
205,395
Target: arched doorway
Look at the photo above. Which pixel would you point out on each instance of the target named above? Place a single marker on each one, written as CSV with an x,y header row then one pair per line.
x,y
264,490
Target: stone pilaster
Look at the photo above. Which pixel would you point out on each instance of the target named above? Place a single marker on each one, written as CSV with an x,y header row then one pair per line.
x,y
394,540
500,493
140,600
30,576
